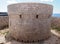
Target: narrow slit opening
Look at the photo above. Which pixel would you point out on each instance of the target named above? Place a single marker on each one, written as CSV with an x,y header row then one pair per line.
x,y
20,16
36,16
22,40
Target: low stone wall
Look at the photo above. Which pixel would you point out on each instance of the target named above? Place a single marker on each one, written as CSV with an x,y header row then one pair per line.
x,y
4,20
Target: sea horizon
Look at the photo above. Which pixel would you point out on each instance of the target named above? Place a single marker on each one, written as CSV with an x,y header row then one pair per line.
x,y
5,14
56,14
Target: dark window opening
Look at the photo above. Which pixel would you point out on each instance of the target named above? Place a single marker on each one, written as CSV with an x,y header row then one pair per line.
x,y
20,16
36,16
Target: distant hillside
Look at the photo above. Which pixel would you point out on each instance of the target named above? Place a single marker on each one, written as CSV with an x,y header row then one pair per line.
x,y
3,14
4,20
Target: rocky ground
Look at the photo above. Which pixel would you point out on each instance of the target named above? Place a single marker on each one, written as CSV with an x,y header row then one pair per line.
x,y
54,39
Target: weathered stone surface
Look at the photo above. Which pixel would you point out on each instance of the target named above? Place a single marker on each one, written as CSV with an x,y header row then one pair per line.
x,y
29,21
54,39
43,10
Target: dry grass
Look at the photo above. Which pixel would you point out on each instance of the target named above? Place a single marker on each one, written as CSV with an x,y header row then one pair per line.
x,y
4,32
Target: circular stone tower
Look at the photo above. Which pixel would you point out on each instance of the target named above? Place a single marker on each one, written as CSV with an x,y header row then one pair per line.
x,y
29,21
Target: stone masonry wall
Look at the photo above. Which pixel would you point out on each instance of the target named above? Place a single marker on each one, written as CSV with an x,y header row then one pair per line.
x,y
29,21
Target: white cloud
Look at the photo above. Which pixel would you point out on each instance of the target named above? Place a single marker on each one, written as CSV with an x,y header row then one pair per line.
x,y
47,0
11,1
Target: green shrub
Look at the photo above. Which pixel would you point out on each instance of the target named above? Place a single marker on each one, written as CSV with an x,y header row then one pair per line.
x,y
56,28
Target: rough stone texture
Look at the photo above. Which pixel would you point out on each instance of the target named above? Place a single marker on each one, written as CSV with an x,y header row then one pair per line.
x,y
53,39
4,21
29,21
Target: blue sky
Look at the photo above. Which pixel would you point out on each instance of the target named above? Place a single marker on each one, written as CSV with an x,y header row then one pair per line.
x,y
5,3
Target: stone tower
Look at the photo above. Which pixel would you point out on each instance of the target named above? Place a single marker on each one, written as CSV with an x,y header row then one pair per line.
x,y
29,22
